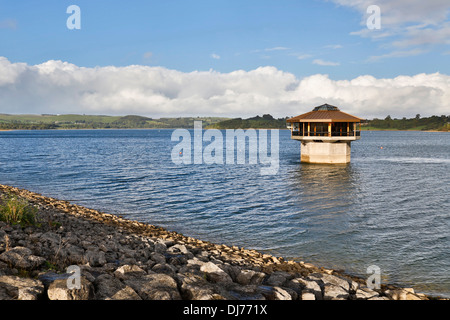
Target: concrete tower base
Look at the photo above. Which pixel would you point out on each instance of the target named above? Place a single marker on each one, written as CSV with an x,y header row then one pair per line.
x,y
325,152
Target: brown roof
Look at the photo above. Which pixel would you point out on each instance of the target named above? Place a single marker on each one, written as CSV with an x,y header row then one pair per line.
x,y
325,116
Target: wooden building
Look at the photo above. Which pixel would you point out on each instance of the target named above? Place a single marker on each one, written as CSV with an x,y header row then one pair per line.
x,y
325,134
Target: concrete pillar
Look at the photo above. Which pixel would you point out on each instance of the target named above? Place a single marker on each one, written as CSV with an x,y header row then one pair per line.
x,y
325,152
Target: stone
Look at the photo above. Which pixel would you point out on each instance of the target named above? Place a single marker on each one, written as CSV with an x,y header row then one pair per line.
x,y
402,294
95,257
306,295
178,249
15,288
246,277
310,286
194,287
160,247
58,290
276,293
365,294
158,286
158,257
277,278
164,268
332,280
127,271
214,273
333,292
125,293
108,287
74,254
21,258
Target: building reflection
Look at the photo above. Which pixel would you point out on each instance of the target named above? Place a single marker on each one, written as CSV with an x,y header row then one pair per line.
x,y
326,186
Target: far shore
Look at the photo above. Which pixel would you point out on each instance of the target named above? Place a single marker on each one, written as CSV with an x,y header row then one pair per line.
x,y
66,129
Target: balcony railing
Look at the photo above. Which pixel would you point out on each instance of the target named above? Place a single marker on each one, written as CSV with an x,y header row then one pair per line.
x,y
325,134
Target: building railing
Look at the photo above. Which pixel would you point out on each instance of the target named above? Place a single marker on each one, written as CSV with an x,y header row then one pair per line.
x,y
325,134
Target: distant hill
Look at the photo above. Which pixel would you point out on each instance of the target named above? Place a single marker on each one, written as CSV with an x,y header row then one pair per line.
x,y
438,123
264,122
73,121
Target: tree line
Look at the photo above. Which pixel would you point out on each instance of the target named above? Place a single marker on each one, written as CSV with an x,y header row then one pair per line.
x,y
439,123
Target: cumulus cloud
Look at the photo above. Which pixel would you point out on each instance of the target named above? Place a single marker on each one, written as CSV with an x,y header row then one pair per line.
x,y
61,87
406,23
215,56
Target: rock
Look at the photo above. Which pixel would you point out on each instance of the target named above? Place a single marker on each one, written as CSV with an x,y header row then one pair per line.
x,y
158,258
164,268
127,271
309,286
95,257
214,273
278,278
235,291
125,293
178,249
365,294
74,254
21,258
328,279
158,286
246,277
15,288
402,294
333,292
194,287
58,290
275,293
306,295
160,247
108,287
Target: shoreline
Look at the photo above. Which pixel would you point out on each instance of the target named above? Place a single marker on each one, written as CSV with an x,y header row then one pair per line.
x,y
122,259
67,129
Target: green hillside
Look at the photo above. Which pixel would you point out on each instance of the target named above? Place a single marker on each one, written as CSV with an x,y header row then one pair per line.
x,y
73,121
264,122
438,123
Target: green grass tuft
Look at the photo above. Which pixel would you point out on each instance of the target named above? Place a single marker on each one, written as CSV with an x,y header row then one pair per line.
x,y
15,210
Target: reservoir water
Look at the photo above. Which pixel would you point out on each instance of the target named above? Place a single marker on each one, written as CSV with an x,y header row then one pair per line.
x,y
389,207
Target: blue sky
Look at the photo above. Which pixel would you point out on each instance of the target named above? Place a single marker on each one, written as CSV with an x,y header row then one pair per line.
x,y
302,38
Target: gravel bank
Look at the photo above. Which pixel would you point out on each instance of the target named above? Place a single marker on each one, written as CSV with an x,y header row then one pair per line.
x,y
119,259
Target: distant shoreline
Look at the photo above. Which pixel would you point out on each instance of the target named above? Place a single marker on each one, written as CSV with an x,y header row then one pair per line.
x,y
174,128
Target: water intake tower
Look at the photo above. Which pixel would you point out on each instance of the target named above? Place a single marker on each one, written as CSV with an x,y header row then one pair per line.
x,y
325,134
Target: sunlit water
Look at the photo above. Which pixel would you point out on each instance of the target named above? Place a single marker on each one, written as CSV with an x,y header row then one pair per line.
x,y
389,207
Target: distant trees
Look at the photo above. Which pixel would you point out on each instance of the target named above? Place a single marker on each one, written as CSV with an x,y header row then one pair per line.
x,y
416,123
267,121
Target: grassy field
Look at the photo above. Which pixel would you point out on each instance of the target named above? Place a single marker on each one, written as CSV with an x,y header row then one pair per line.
x,y
75,121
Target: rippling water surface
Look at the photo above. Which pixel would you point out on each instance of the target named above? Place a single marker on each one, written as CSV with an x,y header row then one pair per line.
x,y
389,207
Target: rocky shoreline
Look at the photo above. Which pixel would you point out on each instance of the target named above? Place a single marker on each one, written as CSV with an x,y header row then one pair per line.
x,y
119,259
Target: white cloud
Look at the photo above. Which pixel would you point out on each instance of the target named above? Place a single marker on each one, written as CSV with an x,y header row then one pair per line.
x,y
61,87
403,12
321,62
215,56
276,49
405,23
334,46
303,56
397,54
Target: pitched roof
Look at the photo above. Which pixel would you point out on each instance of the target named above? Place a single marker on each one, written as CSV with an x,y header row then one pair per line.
x,y
325,113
